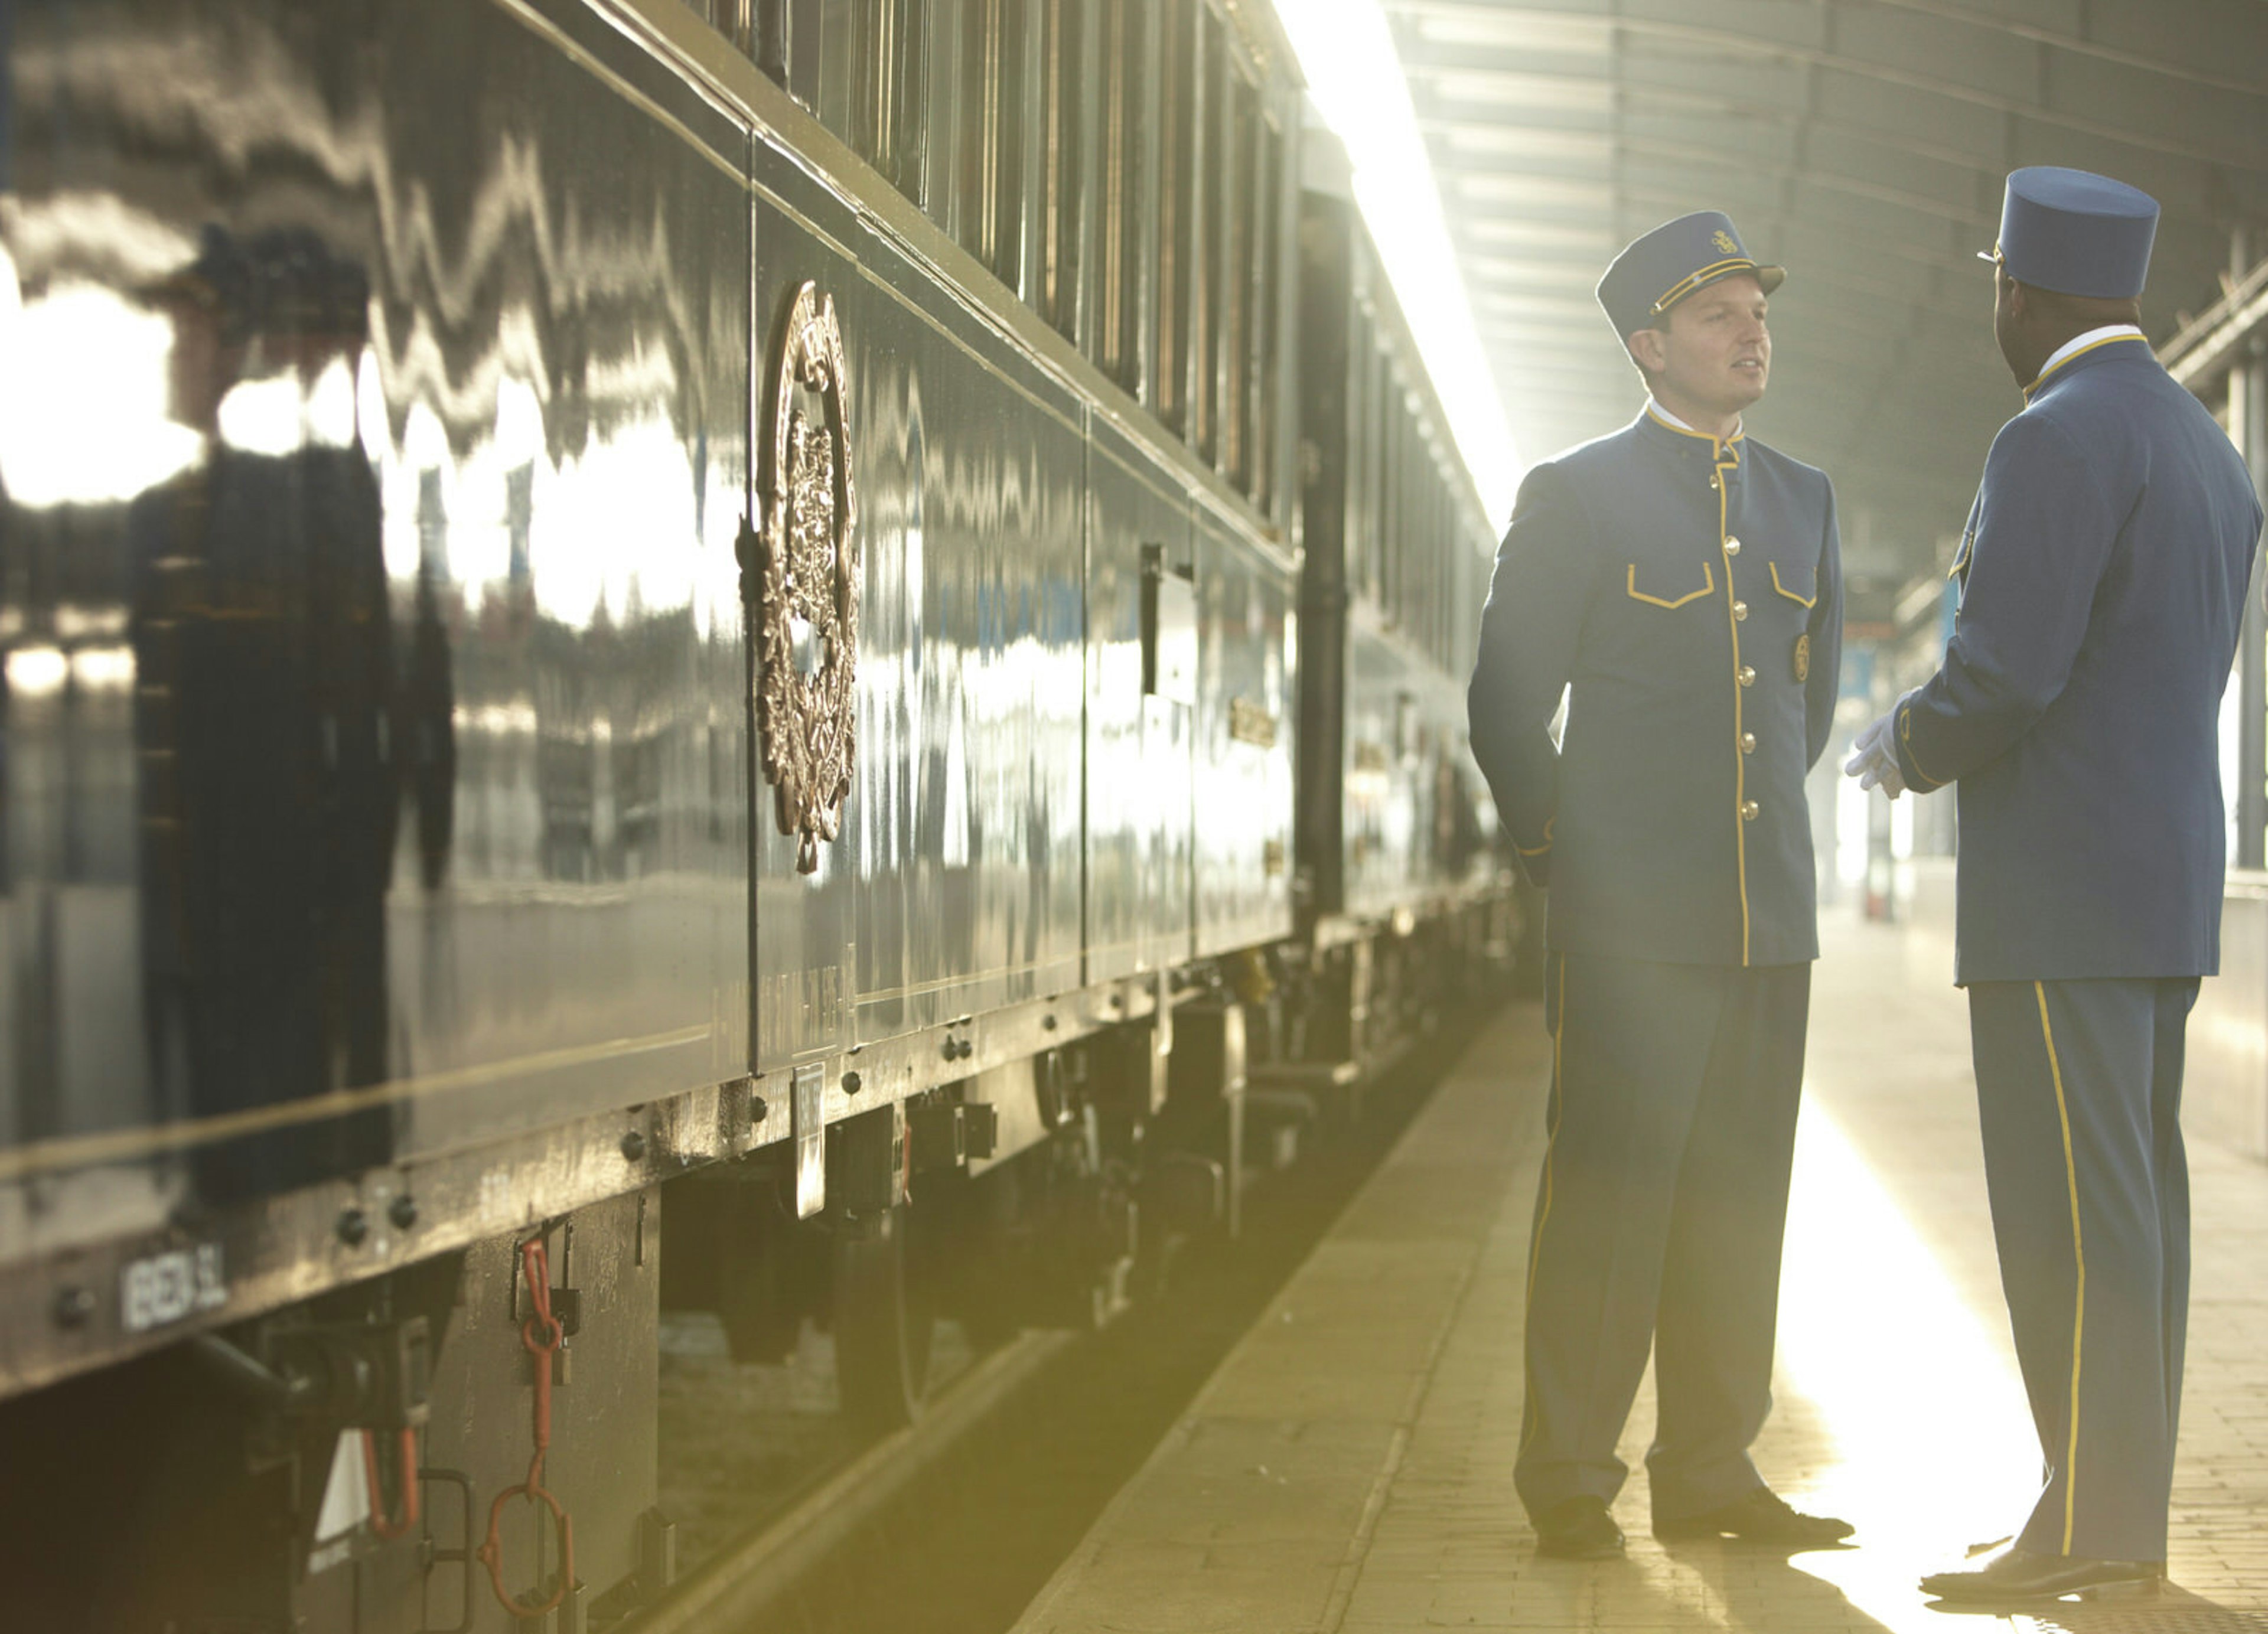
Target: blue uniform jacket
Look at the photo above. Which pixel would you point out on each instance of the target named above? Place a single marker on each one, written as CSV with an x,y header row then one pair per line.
x,y
2103,577
1687,595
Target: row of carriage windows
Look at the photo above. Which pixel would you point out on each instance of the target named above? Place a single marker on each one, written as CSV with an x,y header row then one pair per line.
x,y
1120,164
1409,549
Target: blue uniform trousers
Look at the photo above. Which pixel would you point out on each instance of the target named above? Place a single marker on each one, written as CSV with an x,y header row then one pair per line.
x,y
1659,1219
2079,1089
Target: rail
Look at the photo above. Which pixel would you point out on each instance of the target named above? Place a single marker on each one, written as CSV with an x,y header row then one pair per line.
x,y
2216,339
731,1590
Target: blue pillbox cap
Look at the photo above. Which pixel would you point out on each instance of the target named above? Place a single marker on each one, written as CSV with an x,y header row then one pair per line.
x,y
1656,271
2076,233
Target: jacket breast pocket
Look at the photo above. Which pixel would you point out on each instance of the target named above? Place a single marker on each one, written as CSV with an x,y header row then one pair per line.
x,y
1657,591
1799,585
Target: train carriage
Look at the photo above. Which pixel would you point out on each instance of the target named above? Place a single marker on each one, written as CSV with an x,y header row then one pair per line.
x,y
619,614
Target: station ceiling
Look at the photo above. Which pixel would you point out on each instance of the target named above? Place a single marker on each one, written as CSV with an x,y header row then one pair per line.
x,y
1862,143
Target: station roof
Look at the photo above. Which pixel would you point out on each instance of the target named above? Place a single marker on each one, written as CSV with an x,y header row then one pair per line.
x,y
1862,143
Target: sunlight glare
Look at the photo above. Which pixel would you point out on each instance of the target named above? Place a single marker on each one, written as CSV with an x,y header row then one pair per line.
x,y
1934,1441
99,428
1347,54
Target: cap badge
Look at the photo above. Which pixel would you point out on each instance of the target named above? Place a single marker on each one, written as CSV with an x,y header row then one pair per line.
x,y
1724,243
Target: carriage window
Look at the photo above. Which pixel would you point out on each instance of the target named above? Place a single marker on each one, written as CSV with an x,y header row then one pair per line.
x,y
988,213
1373,459
1354,482
1267,210
1212,162
1389,541
1389,484
790,47
1409,541
979,125
1177,112
1010,188
1062,180
1122,174
1239,128
1419,570
889,89
735,19
1445,545
1436,557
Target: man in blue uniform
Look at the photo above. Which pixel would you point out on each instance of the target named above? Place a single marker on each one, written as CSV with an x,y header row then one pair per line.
x,y
2102,575
1680,584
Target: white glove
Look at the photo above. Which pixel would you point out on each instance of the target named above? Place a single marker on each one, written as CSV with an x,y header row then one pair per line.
x,y
1875,761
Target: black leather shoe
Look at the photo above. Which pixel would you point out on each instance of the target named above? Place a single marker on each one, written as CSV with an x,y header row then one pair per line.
x,y
1577,1528
1761,1517
2021,1575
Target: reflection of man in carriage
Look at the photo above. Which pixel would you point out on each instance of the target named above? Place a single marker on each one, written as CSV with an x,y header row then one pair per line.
x,y
264,646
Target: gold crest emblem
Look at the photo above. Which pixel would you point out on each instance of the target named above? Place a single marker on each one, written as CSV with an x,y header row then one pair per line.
x,y
1724,243
803,558
1802,658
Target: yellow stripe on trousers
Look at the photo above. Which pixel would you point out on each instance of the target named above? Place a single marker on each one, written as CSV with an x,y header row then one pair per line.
x,y
1552,1137
1550,1142
2078,1255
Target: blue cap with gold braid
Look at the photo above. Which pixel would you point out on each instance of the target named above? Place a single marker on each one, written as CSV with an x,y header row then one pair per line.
x,y
1655,272
2076,233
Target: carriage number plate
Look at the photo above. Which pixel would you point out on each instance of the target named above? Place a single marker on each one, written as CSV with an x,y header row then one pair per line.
x,y
167,1287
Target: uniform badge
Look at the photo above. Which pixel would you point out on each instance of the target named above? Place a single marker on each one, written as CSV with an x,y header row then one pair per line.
x,y
1802,658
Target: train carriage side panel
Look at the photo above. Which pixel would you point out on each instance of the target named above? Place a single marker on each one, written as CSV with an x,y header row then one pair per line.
x,y
591,859
953,886
432,612
1141,691
1247,670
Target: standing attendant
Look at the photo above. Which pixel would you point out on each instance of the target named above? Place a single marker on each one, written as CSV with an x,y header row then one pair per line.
x,y
1680,584
2102,578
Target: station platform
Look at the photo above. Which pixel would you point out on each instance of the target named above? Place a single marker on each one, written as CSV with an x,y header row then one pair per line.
x,y
1348,1467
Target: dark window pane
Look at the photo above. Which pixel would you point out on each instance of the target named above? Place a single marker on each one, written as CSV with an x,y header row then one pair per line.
x,y
1116,331
1241,126
1010,186
1267,316
1178,129
1063,166
1211,153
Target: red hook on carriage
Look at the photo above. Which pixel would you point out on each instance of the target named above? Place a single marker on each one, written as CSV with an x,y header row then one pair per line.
x,y
542,1335
379,1523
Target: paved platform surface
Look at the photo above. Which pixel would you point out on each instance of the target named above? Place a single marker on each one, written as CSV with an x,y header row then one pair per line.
x,y
1349,1466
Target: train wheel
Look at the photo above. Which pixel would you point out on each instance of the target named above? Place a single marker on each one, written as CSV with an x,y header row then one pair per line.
x,y
885,1317
987,1282
759,1320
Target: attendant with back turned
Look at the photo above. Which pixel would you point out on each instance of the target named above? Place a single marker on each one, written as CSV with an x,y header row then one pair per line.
x,y
2102,580
1679,584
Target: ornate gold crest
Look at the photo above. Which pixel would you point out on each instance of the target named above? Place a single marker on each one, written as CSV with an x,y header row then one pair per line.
x,y
1725,244
1803,657
806,631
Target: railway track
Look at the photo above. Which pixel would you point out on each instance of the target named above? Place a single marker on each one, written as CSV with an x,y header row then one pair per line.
x,y
950,1526
732,1589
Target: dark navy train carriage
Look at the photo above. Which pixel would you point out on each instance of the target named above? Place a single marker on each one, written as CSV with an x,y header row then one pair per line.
x,y
825,623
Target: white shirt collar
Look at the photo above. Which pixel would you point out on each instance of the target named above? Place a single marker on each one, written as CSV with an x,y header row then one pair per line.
x,y
1653,407
2079,343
